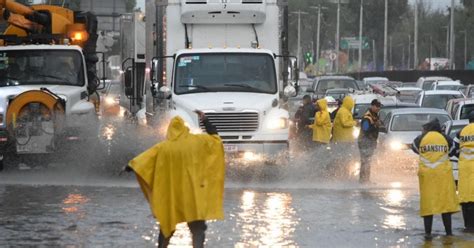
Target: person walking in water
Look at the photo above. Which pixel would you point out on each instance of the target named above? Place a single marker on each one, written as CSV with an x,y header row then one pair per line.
x,y
183,179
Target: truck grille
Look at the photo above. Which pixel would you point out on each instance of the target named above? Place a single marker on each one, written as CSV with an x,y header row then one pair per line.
x,y
233,122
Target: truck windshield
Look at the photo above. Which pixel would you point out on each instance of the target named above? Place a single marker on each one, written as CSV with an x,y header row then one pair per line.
x,y
234,72
30,67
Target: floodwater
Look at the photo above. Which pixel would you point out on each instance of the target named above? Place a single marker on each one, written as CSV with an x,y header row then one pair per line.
x,y
87,204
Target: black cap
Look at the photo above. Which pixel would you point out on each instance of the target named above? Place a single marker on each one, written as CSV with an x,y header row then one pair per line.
x,y
376,103
433,125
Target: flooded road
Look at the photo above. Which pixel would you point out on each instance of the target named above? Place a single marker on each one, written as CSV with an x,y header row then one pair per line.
x,y
81,204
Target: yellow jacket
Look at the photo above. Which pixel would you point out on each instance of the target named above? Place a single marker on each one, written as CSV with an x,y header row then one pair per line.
x,y
322,123
344,123
466,164
182,177
437,188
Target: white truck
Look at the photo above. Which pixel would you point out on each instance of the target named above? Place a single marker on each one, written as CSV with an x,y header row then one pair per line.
x,y
222,57
47,78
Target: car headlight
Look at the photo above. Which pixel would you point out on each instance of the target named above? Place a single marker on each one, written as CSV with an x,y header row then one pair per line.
x,y
397,145
277,123
356,132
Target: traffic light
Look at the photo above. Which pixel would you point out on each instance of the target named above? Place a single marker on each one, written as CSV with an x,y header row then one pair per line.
x,y
308,58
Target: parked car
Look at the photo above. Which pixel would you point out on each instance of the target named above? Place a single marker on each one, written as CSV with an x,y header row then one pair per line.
x,y
451,128
409,84
459,109
389,106
408,94
446,85
374,80
426,82
437,98
469,91
324,83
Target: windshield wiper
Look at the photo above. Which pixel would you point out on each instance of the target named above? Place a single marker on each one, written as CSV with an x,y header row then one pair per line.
x,y
245,86
197,87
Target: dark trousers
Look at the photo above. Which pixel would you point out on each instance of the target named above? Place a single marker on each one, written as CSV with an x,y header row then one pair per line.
x,y
366,154
468,215
198,232
428,221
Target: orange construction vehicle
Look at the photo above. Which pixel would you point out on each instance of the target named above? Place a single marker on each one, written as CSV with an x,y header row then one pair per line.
x,y
47,78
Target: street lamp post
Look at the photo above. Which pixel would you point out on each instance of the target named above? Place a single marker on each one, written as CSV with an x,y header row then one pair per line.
x,y
385,36
451,41
415,45
298,56
361,23
409,52
318,34
338,34
465,48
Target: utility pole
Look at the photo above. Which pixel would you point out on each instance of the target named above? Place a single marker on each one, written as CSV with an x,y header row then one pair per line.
x,y
451,43
318,34
361,23
415,48
385,37
409,52
338,34
298,56
431,50
390,51
374,55
465,47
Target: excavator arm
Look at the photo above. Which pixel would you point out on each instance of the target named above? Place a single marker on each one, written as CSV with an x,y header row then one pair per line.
x,y
22,16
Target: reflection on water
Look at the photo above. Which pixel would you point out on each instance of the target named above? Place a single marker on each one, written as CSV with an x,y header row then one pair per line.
x,y
108,132
394,201
73,202
266,220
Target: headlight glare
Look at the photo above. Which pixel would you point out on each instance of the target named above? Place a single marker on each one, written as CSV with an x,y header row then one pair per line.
x,y
277,123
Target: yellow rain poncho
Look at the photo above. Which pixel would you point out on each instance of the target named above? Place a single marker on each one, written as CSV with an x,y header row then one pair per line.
x,y
183,177
322,123
437,188
466,164
344,123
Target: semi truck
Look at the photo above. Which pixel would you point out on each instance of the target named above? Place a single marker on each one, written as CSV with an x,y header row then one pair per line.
x,y
227,58
47,78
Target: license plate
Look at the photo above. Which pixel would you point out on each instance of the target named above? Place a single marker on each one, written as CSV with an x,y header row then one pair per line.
x,y
230,148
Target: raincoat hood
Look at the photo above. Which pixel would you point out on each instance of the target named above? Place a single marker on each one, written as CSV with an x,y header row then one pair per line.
x,y
348,103
322,104
182,177
176,128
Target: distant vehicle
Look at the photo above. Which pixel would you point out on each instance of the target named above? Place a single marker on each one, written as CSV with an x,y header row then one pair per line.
x,y
437,64
437,98
362,103
362,85
459,109
451,128
110,98
324,83
408,94
446,85
374,80
402,126
389,106
425,82
469,91
339,94
408,84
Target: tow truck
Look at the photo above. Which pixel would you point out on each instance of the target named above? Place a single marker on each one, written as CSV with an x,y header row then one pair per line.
x,y
47,78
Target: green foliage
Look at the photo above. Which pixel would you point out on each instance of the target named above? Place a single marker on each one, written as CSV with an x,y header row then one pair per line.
x,y
130,5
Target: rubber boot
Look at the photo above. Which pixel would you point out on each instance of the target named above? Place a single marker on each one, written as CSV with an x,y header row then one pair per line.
x,y
447,223
428,221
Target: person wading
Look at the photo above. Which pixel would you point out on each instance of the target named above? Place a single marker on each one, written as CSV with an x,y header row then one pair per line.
x,y
369,133
464,143
322,123
437,188
304,115
183,179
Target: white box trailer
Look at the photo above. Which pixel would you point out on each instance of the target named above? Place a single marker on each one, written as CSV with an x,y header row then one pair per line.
x,y
222,57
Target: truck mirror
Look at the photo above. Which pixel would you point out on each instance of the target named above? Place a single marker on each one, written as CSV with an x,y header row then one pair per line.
x,y
289,91
127,78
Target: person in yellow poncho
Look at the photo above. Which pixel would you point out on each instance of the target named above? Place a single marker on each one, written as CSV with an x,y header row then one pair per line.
x,y
464,143
344,122
437,188
322,123
183,179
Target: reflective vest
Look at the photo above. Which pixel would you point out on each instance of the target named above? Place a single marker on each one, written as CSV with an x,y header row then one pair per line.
x,y
466,164
437,188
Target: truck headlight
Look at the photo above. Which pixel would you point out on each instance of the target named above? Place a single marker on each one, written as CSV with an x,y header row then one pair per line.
x,y
277,123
